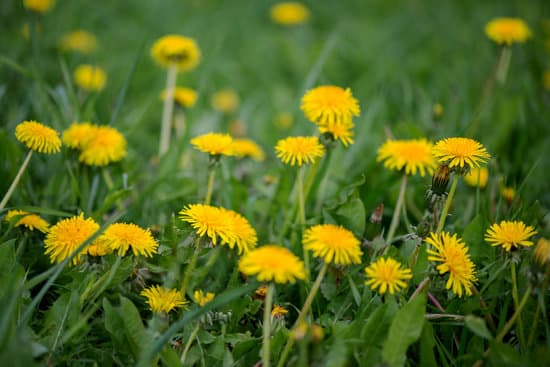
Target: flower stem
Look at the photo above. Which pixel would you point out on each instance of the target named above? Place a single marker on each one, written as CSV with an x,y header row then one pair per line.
x,y
267,325
302,215
448,202
396,212
516,301
303,312
210,186
190,267
189,342
516,314
8,194
167,109
503,64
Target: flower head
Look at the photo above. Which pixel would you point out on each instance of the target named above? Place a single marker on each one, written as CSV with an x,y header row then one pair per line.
x,y
542,251
508,193
338,131
38,137
329,104
462,153
28,220
510,234
39,6
123,236
289,13
214,144
106,145
184,97
452,254
272,263
225,101
80,40
387,275
408,155
201,298
176,50
163,300
89,77
67,235
299,150
507,30
278,312
79,134
334,244
477,177
247,148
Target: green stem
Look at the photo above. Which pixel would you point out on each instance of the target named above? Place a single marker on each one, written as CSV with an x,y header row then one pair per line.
x,y
167,109
190,267
303,312
503,64
267,326
302,215
516,301
396,212
534,326
189,342
448,202
16,180
516,314
210,185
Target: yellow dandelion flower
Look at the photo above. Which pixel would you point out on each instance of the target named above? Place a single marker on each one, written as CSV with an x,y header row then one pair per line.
x,y
214,144
99,248
89,77
79,134
260,292
437,110
542,251
510,234
164,300
79,40
460,152
289,13
508,193
477,177
387,275
411,155
453,255
39,6
299,150
247,148
106,145
28,220
201,298
272,263
334,244
240,232
278,312
339,131
184,97
122,236
225,101
38,137
329,104
507,31
177,50
67,235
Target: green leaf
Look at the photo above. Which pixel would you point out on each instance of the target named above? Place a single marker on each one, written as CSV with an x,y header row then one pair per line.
x,y
501,354
473,237
169,357
352,216
113,323
337,354
477,326
427,344
133,326
405,329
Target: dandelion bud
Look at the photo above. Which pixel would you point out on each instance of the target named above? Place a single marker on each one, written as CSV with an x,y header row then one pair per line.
x,y
440,179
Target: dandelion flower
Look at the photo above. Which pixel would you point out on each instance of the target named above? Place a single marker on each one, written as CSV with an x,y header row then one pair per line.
x,y
176,50
299,150
89,77
510,234
67,235
38,137
339,131
207,220
411,155
506,31
225,101
329,104
240,232
28,220
106,145
387,275
184,97
164,300
289,13
272,263
79,134
278,312
542,251
214,144
460,152
334,244
247,148
477,177
39,6
122,236
99,248
453,255
80,41
201,298
508,193
437,111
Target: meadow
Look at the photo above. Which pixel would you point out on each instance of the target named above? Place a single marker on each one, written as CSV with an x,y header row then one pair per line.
x,y
233,183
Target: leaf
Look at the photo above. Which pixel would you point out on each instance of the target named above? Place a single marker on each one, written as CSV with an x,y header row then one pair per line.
x,y
405,329
427,344
473,237
477,326
133,327
169,357
338,353
352,215
501,354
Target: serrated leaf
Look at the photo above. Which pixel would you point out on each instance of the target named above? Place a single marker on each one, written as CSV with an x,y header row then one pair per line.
x,y
477,326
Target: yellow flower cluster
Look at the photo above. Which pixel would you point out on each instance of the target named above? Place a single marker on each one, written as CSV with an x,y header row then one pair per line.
x,y
79,40
386,275
409,156
271,263
38,137
90,77
184,97
334,244
162,300
289,13
28,220
299,150
507,30
214,144
180,51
